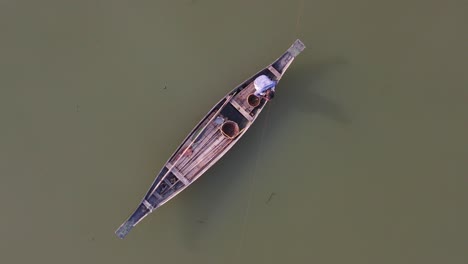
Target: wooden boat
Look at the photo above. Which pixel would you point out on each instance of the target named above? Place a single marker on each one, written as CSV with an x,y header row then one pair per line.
x,y
216,133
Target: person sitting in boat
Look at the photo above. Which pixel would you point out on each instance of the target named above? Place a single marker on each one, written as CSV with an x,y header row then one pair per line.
x,y
269,94
265,87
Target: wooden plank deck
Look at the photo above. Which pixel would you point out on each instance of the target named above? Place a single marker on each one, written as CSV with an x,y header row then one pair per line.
x,y
198,150
187,164
274,71
242,110
178,174
208,154
241,101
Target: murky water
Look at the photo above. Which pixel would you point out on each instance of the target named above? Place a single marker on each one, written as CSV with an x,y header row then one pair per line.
x,y
361,158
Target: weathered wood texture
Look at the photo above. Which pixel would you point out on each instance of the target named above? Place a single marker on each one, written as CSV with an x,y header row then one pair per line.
x,y
206,144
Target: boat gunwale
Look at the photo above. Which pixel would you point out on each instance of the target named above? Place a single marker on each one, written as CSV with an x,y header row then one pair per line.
x,y
293,51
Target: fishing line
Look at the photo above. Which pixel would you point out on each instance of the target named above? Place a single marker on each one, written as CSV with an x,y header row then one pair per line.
x,y
300,10
252,181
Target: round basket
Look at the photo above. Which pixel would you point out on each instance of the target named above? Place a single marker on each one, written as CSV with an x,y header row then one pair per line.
x,y
230,129
253,100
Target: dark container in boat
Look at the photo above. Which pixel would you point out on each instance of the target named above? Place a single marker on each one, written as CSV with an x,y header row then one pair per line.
x,y
253,100
230,129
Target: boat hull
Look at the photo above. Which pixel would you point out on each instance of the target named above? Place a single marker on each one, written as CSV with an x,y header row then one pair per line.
x,y
210,140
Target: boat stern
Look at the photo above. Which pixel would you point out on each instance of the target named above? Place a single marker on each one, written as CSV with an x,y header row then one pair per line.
x,y
141,212
124,229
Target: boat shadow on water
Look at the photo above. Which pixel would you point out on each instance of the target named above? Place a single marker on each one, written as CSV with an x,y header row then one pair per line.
x,y
299,91
204,204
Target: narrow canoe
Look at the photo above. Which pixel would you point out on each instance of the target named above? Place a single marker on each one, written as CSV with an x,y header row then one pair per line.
x,y
214,135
